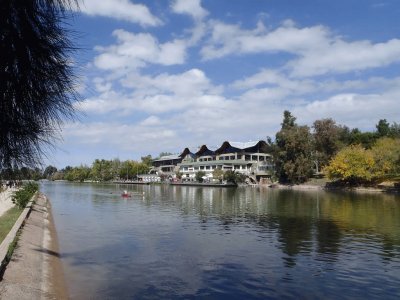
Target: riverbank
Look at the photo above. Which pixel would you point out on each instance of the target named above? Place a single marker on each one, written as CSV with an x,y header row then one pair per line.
x,y
35,270
359,189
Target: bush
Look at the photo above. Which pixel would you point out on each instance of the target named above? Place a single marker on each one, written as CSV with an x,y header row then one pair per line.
x,y
200,175
233,177
22,196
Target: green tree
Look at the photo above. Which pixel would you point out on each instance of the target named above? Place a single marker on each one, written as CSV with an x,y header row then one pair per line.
x,y
383,128
164,154
395,130
101,170
366,139
218,174
234,177
37,82
326,141
49,171
147,160
293,151
200,175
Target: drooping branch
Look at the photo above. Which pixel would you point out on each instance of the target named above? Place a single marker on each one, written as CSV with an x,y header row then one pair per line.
x,y
36,78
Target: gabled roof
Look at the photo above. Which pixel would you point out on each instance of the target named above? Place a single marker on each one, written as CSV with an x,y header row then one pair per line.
x,y
226,147
204,151
233,147
185,152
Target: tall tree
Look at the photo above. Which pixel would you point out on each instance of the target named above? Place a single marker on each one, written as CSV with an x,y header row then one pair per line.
x,y
293,151
326,141
147,160
49,171
36,78
383,128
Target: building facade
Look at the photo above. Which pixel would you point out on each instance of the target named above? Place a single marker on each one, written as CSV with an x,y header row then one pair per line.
x,y
251,159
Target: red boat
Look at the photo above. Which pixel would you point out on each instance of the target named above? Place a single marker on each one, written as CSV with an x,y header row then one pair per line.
x,y
125,194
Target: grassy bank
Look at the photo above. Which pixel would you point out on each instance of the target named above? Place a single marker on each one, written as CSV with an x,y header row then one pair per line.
x,y
7,221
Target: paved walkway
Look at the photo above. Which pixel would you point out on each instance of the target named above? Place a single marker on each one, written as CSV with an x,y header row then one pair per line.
x,y
30,273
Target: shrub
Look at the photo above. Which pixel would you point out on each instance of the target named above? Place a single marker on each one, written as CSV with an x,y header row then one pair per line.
x,y
200,175
22,196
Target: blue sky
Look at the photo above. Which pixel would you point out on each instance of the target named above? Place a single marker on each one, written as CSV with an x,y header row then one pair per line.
x,y
162,75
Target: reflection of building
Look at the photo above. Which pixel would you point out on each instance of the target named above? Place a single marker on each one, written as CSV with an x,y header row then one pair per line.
x,y
251,159
149,178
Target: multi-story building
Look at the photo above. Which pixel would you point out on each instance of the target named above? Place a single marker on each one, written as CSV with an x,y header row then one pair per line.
x,y
251,159
165,164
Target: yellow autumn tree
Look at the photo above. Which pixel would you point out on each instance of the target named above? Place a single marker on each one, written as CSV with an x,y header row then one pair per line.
x,y
353,164
386,152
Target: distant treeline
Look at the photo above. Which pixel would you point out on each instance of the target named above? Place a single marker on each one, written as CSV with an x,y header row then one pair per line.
x,y
100,170
300,152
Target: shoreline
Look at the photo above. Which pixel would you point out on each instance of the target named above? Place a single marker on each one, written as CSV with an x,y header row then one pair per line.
x,y
309,187
56,279
35,269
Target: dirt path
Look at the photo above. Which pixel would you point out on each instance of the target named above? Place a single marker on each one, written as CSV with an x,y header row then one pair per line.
x,y
35,270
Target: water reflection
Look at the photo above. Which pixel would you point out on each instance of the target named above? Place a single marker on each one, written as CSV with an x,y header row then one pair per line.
x,y
244,243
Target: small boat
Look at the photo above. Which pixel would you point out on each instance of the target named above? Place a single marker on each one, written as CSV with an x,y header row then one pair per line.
x,y
125,194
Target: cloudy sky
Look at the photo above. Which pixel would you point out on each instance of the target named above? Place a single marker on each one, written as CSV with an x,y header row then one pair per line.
x,y
161,75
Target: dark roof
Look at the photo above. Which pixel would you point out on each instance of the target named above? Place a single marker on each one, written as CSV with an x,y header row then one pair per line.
x,y
185,152
204,151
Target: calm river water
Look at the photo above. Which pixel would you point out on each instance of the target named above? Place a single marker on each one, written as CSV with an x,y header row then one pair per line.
x,y
236,243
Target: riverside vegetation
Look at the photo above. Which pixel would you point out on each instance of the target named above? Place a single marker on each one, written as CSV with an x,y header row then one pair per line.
x,y
345,156
21,199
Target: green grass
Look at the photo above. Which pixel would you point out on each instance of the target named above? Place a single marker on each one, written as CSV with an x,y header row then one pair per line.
x,y
7,221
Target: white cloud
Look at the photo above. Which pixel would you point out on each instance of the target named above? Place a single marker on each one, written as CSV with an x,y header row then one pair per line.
x,y
136,50
340,56
121,136
317,51
353,109
151,121
189,7
191,82
274,78
119,9
229,39
158,94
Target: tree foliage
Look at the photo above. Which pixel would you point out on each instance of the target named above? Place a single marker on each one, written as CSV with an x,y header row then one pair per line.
x,y
199,176
356,164
36,78
353,164
218,174
386,153
326,141
293,151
